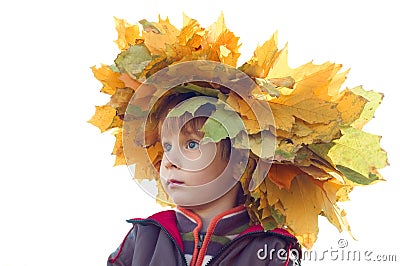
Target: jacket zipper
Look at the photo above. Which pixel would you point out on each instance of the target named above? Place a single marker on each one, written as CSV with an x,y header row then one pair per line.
x,y
231,243
149,221
201,240
241,237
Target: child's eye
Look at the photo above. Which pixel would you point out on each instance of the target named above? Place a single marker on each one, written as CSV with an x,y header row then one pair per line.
x,y
192,144
167,146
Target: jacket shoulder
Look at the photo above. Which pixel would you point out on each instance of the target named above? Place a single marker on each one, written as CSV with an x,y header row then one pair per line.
x,y
155,231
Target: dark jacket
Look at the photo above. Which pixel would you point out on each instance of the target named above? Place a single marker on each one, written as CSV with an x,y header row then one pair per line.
x,y
157,241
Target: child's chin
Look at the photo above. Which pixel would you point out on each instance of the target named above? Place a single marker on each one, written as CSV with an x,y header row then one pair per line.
x,y
179,199
188,201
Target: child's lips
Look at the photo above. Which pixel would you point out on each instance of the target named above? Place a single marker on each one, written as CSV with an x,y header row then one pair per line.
x,y
174,182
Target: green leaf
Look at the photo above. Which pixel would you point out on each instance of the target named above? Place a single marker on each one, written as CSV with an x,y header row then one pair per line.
x,y
223,123
268,86
356,154
133,60
222,120
322,149
374,100
191,106
280,218
357,177
214,130
150,26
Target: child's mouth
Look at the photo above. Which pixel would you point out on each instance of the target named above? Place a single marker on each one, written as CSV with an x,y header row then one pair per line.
x,y
174,182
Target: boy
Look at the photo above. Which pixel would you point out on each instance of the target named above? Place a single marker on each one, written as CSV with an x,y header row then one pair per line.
x,y
204,229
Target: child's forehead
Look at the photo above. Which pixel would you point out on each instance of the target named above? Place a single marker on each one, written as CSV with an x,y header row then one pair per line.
x,y
190,128
184,124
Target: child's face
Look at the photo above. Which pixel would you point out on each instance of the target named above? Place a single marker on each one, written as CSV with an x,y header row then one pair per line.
x,y
187,163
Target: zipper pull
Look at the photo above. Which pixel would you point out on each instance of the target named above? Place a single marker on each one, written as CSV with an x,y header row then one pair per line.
x,y
201,239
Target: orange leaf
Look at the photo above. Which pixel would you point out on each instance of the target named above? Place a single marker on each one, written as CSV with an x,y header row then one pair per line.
x,y
283,174
129,82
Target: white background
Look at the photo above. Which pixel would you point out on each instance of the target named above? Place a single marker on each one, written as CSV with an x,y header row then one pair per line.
x,y
61,200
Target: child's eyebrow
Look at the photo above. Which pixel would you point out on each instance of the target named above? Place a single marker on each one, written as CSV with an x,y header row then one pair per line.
x,y
194,134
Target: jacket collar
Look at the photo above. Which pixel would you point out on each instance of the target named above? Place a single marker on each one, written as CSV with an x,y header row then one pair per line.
x,y
222,224
168,221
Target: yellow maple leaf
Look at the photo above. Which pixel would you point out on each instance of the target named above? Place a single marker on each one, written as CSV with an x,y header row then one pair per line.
x,y
158,34
215,29
108,78
228,48
302,203
263,58
307,108
191,33
105,118
127,34
280,67
350,106
314,80
335,215
306,133
118,150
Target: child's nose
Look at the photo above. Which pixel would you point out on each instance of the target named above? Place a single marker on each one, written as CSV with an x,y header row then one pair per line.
x,y
170,163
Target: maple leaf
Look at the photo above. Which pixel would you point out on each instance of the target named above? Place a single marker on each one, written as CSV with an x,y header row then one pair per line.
x,y
108,78
133,60
127,34
222,121
310,110
306,133
129,82
105,118
302,204
374,100
356,154
314,80
282,175
262,144
346,99
336,216
118,150
191,33
120,99
263,58
158,34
